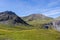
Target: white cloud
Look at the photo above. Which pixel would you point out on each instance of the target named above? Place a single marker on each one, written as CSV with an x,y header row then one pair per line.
x,y
52,12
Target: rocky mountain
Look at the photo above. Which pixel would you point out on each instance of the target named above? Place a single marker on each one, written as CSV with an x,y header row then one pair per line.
x,y
56,24
36,17
9,17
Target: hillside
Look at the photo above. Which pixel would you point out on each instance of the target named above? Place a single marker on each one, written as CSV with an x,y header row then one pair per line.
x,y
33,17
57,18
23,32
29,35
37,20
10,18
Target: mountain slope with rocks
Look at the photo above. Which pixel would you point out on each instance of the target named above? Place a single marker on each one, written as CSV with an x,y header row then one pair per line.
x,y
9,17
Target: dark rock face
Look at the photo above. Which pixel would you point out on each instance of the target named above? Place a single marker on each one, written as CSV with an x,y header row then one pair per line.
x,y
9,17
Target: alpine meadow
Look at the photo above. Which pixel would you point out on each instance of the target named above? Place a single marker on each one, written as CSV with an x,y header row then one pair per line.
x,y
29,19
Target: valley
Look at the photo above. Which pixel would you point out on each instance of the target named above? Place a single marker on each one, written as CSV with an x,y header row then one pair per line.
x,y
32,27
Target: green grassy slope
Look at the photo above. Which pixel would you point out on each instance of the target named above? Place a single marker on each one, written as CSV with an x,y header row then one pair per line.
x,y
39,23
10,32
15,28
34,34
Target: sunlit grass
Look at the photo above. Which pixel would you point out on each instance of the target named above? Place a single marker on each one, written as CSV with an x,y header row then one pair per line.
x,y
34,34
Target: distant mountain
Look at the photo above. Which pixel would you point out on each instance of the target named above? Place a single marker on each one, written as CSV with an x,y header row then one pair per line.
x,y
36,17
37,20
58,18
9,17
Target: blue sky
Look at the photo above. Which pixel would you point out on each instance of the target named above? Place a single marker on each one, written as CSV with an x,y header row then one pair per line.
x,y
26,7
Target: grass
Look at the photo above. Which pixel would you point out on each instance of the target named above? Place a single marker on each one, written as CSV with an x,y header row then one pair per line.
x,y
39,24
12,27
34,34
8,32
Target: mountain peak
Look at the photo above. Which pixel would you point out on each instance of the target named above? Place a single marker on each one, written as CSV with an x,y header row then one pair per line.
x,y
36,17
8,12
9,17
